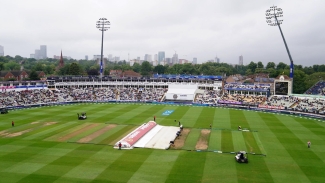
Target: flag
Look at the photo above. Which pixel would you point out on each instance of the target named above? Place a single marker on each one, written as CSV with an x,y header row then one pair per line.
x,y
291,70
101,67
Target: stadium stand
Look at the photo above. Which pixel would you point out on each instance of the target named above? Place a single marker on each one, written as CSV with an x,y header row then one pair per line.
x,y
317,89
253,100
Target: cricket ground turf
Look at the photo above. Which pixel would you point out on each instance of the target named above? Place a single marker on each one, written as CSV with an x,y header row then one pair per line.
x,y
49,144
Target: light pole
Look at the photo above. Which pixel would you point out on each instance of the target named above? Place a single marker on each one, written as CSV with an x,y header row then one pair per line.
x,y
102,26
272,18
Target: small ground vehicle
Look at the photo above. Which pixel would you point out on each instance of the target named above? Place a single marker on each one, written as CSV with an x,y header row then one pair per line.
x,y
82,116
4,111
241,157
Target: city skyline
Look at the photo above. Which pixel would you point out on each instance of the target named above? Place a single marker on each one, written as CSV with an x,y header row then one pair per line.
x,y
190,28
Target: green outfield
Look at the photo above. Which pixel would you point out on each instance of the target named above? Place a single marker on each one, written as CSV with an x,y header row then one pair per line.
x,y
49,144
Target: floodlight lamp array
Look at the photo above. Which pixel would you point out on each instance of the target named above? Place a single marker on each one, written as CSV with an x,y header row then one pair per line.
x,y
273,16
102,24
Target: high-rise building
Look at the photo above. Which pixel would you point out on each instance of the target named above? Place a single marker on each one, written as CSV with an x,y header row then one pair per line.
x,y
194,60
175,59
37,54
86,57
169,61
43,52
241,60
147,57
216,59
161,57
2,52
138,58
32,55
110,57
155,57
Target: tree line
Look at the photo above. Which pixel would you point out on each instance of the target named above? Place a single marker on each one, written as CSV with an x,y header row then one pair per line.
x,y
304,76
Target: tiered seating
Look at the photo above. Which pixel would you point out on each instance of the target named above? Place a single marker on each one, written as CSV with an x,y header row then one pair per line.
x,y
245,87
26,97
282,101
310,105
317,89
245,99
208,97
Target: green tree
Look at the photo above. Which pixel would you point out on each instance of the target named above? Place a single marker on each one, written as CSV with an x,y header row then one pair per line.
x,y
252,66
260,65
270,65
18,58
74,69
160,69
145,68
1,66
281,66
39,67
248,72
136,67
299,85
49,69
272,72
11,65
64,70
33,76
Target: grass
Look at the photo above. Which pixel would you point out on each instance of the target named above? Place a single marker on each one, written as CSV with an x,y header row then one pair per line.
x,y
39,156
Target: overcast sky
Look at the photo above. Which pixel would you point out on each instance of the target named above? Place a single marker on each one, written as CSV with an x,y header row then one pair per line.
x,y
202,28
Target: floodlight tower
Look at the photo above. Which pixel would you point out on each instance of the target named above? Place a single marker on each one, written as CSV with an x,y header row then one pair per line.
x,y
102,26
273,18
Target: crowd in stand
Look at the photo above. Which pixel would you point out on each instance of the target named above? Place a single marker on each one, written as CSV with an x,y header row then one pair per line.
x,y
317,89
208,97
239,86
142,94
282,101
303,104
245,99
26,97
31,97
41,96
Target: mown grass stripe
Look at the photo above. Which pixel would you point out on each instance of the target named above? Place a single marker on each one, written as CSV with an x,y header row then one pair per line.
x,y
258,172
310,171
205,118
190,165
226,141
63,164
192,139
237,118
86,133
219,168
238,141
179,114
112,139
63,133
140,114
108,133
19,128
222,119
47,131
251,143
215,140
191,117
110,116
156,168
116,172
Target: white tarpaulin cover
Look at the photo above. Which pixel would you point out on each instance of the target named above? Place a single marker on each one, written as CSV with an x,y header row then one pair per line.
x,y
181,92
158,137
